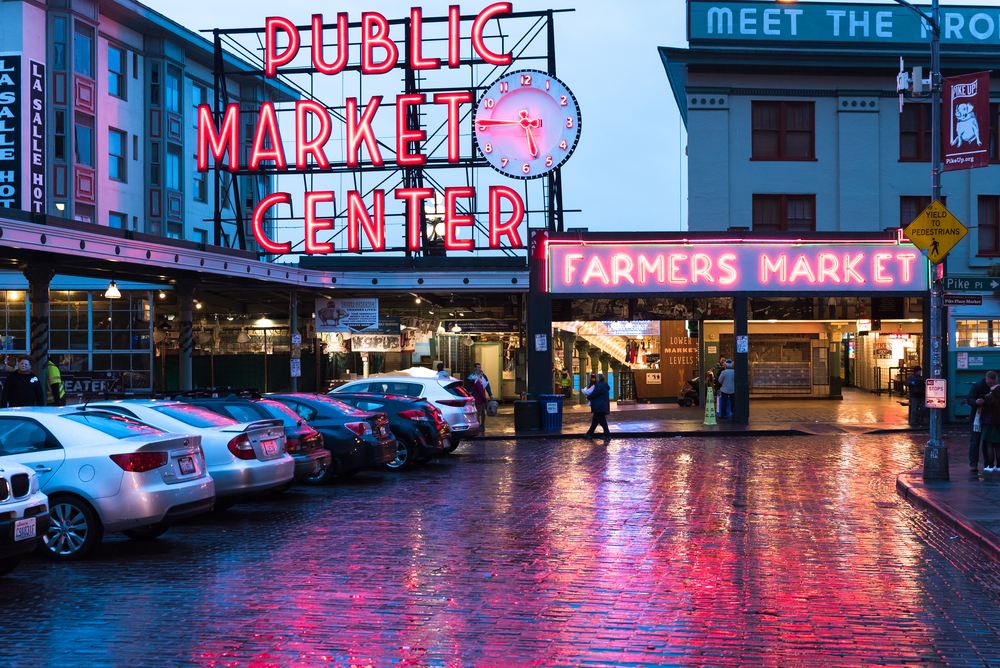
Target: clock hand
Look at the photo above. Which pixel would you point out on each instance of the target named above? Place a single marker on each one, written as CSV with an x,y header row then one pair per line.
x,y
491,122
523,121
531,143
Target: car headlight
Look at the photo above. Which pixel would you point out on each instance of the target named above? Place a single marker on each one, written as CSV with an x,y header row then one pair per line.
x,y
34,483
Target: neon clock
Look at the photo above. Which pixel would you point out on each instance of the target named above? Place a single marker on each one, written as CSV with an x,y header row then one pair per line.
x,y
527,124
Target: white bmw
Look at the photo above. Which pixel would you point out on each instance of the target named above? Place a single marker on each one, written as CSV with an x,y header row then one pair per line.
x,y
24,513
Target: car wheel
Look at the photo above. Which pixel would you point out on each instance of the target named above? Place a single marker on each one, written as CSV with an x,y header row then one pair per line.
x,y
9,564
404,455
74,530
454,444
148,532
321,477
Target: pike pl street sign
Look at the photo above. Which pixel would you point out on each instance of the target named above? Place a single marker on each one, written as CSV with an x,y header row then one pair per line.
x,y
935,232
970,284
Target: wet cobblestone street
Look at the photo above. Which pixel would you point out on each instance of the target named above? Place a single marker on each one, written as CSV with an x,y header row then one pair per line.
x,y
714,551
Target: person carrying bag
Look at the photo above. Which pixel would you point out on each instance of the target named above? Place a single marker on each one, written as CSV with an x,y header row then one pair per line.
x,y
599,395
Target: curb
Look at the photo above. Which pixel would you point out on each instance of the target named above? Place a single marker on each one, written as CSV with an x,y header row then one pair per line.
x,y
533,435
965,527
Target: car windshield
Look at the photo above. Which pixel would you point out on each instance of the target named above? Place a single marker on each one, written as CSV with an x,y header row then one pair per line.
x,y
338,405
196,416
279,410
455,388
116,426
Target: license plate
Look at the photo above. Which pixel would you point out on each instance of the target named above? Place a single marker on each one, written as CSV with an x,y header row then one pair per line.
x,y
187,465
446,442
24,529
384,432
270,447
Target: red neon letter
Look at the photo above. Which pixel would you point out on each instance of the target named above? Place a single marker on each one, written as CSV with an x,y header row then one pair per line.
x,y
802,268
646,267
271,59
454,40
477,34
370,40
417,61
510,227
453,221
828,266
877,268
413,197
258,223
303,146
453,100
568,268
267,124
362,130
314,224
849,269
374,229
228,139
904,262
767,268
621,267
730,270
701,265
595,270
672,269
403,156
317,44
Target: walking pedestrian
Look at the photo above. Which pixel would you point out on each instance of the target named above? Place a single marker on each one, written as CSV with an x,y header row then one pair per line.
x,y
479,387
976,399
727,388
915,383
22,387
990,423
600,405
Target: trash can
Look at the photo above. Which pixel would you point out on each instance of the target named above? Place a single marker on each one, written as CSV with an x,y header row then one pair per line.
x,y
552,408
527,415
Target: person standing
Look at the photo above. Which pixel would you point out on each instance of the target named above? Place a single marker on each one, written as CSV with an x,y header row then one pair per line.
x,y
976,399
53,381
567,389
442,374
727,388
990,423
479,387
600,405
22,387
915,383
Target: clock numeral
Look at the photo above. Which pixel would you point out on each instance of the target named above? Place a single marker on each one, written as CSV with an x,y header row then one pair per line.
x,y
546,84
526,168
562,101
525,79
503,86
488,102
503,162
488,148
563,145
548,161
569,122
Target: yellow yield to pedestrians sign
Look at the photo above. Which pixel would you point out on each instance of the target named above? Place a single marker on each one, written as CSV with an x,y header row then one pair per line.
x,y
935,231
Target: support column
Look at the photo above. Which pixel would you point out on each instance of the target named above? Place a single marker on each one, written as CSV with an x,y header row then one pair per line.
x,y
741,408
38,299
568,341
185,314
616,366
582,348
293,328
595,358
538,320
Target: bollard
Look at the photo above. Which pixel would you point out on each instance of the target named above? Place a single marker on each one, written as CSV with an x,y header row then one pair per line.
x,y
935,462
709,407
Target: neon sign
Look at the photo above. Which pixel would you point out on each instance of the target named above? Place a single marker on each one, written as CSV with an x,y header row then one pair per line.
x,y
580,268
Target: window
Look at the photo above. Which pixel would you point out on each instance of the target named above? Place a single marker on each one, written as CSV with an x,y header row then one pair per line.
x,y
116,72
910,207
154,84
784,213
174,231
117,141
83,50
201,236
154,164
60,135
59,43
989,225
135,65
13,323
915,133
199,95
118,220
196,416
173,99
977,333
115,426
135,147
200,182
68,320
783,130
20,436
83,212
174,166
84,140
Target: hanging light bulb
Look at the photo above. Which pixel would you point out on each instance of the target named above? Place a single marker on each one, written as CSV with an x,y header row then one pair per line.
x,y
456,329
418,300
243,336
113,292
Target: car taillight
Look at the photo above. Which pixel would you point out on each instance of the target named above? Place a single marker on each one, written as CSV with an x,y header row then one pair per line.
x,y
359,428
241,447
460,403
414,415
137,462
292,444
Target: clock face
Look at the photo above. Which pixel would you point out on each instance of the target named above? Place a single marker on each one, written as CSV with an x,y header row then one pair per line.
x,y
527,124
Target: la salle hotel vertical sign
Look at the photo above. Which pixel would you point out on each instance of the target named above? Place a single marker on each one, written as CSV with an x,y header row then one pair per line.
x,y
10,132
18,146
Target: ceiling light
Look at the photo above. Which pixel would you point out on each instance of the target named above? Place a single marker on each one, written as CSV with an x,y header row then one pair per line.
x,y
197,305
14,295
229,317
163,295
462,313
113,292
243,336
417,300
264,322
430,311
456,329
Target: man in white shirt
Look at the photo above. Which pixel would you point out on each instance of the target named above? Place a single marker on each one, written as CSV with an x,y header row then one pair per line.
x,y
442,374
727,388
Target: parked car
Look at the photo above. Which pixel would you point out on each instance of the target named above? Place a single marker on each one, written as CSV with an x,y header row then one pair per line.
x,y
420,429
356,450
24,513
105,472
447,395
242,457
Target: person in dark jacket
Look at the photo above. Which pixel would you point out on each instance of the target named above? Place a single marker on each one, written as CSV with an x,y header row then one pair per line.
x,y
915,384
22,388
976,399
600,406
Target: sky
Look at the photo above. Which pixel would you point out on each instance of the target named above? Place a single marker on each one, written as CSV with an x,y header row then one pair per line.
x,y
629,167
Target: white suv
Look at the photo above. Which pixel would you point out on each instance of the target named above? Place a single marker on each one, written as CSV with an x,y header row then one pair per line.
x,y
448,396
24,513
